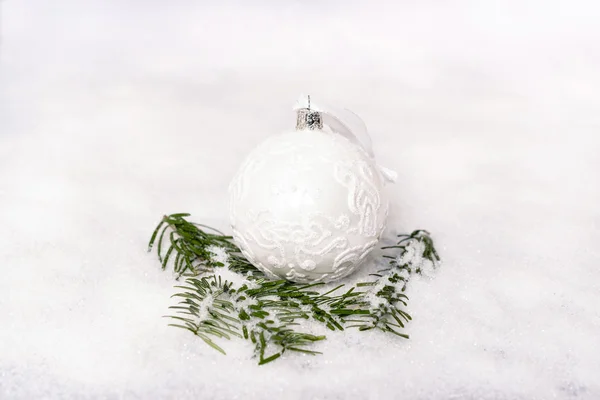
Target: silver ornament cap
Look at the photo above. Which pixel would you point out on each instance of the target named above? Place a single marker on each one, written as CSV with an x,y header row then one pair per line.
x,y
308,119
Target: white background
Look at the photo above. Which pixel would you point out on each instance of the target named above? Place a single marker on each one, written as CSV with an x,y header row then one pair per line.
x,y
113,113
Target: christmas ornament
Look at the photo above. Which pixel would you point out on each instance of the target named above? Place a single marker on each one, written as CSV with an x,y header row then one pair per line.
x,y
309,205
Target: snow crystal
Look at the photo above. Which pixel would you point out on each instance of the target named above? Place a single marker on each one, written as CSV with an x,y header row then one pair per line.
x,y
219,255
413,253
372,297
114,113
203,306
403,273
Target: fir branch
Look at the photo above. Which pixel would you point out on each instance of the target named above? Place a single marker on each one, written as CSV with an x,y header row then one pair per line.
x,y
265,311
213,307
190,243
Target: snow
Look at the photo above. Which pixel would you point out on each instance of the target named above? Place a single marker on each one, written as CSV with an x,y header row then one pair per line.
x,y
113,113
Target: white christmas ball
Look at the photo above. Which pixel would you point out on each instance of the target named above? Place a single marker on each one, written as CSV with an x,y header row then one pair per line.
x,y
307,206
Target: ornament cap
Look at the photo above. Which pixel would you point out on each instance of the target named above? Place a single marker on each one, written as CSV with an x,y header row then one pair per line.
x,y
308,119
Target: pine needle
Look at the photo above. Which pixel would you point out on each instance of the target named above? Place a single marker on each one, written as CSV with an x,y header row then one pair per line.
x,y
268,312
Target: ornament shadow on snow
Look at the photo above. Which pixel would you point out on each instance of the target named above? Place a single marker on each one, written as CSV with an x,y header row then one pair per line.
x,y
310,205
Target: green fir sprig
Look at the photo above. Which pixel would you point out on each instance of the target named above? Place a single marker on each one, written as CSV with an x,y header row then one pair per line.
x,y
268,312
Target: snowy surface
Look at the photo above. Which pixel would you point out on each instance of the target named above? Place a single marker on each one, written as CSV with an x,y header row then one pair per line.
x,y
113,113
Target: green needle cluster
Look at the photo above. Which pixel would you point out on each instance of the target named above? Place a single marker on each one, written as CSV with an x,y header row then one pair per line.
x,y
267,312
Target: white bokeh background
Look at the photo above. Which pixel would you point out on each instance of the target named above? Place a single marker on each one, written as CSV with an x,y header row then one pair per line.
x,y
113,113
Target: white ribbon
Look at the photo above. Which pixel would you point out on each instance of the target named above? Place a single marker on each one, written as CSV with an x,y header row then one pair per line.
x,y
348,124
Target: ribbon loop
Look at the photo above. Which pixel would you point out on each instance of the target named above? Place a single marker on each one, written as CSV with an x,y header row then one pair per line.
x,y
348,124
